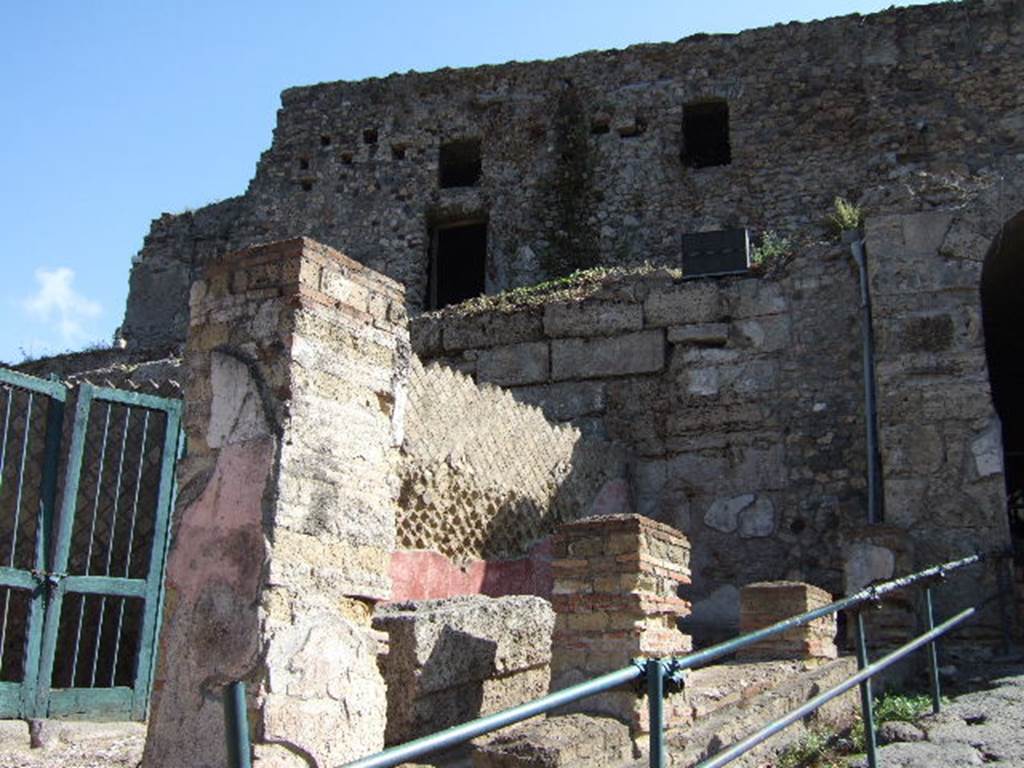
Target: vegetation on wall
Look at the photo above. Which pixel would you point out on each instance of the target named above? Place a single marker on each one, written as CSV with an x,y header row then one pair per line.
x,y
570,196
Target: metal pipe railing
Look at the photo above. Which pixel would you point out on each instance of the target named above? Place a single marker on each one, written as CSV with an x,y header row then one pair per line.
x,y
236,721
742,747
656,671
459,734
872,593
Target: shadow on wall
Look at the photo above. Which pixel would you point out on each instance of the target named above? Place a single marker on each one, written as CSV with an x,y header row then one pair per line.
x,y
449,689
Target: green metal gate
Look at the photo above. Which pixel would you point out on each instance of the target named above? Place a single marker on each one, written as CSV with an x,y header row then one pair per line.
x,y
81,583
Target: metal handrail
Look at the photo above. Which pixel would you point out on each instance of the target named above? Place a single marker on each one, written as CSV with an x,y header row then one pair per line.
x,y
656,671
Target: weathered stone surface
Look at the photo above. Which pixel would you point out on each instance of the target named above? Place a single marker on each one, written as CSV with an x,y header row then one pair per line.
x,y
723,514
557,742
894,731
615,596
591,318
283,530
451,660
325,695
642,352
514,364
563,401
689,302
866,563
702,334
987,450
488,330
757,520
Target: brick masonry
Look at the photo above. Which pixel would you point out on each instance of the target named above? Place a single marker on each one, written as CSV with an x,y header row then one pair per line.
x,y
616,583
769,602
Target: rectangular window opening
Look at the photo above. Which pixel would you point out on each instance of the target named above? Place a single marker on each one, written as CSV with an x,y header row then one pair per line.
x,y
459,164
706,134
458,263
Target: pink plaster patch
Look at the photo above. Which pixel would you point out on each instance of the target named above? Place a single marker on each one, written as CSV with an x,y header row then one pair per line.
x,y
429,575
229,509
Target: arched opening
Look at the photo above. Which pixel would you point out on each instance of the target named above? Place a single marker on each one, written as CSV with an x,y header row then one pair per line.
x,y
1002,307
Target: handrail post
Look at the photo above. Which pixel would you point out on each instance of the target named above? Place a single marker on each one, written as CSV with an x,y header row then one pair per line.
x,y
933,653
236,719
656,710
866,705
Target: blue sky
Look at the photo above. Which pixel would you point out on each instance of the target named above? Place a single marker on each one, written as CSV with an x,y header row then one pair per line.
x,y
115,111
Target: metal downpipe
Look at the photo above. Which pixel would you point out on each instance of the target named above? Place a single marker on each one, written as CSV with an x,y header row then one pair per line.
x,y
875,509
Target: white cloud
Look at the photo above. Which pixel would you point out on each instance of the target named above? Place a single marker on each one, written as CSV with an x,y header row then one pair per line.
x,y
57,304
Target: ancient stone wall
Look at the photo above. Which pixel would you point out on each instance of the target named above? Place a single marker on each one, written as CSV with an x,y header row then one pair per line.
x,y
584,159
739,400
736,399
285,517
484,476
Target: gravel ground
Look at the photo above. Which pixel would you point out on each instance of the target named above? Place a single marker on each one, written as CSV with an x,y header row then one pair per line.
x,y
982,725
76,745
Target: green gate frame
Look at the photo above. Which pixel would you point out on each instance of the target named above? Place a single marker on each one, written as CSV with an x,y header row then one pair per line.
x,y
50,583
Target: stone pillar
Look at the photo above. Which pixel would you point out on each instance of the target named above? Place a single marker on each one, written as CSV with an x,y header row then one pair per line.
x,y
285,516
615,598
769,602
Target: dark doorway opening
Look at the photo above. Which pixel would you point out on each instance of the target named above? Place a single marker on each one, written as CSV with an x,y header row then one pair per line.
x,y
458,263
706,134
1002,310
459,164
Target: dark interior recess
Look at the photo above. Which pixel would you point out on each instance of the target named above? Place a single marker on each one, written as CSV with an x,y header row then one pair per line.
x,y
458,263
1002,318
459,164
706,134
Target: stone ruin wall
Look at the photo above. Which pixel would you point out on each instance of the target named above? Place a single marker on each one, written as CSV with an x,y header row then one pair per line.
x,y
581,155
739,403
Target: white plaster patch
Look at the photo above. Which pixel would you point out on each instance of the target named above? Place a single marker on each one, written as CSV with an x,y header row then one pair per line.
x,y
236,412
723,514
987,450
758,520
866,563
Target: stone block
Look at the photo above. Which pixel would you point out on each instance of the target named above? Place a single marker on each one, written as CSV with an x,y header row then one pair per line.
x,y
754,298
563,401
925,232
766,603
687,302
455,659
526,363
594,318
490,329
699,334
642,352
563,741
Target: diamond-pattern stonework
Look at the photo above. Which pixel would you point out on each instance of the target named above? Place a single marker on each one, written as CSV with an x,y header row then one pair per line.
x,y
484,476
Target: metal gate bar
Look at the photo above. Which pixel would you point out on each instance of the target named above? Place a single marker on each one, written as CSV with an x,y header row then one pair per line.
x,y
81,585
28,486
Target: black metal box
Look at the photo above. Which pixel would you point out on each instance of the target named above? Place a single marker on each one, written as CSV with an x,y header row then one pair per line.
x,y
722,252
